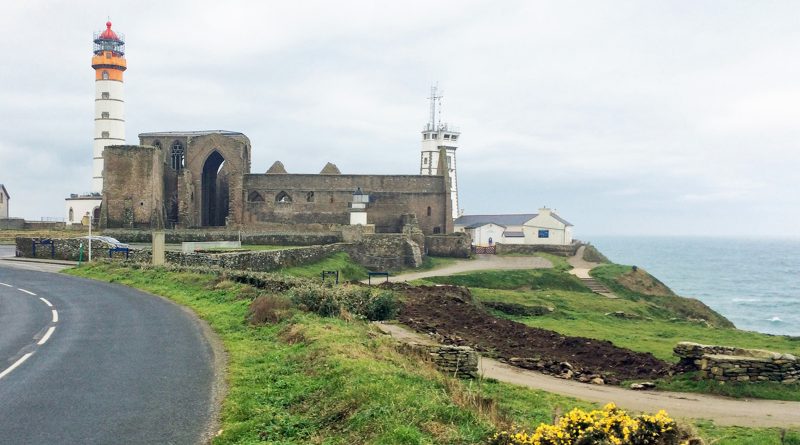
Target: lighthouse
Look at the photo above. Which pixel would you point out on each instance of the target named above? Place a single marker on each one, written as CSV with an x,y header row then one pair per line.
x,y
435,137
109,64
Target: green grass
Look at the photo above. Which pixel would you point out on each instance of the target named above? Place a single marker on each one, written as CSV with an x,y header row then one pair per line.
x,y
559,262
250,247
513,279
760,390
313,380
348,269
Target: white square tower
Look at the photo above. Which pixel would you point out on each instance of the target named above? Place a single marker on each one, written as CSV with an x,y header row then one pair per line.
x,y
435,136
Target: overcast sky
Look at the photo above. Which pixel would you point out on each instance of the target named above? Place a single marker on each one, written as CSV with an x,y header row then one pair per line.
x,y
636,117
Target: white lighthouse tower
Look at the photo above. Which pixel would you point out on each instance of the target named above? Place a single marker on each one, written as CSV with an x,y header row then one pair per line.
x,y
108,61
435,136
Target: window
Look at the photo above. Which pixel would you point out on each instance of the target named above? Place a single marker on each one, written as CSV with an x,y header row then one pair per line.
x,y
105,75
310,197
429,210
447,136
283,198
71,214
104,135
254,196
425,161
105,95
437,230
425,137
453,137
108,54
449,161
105,115
157,143
177,156
544,234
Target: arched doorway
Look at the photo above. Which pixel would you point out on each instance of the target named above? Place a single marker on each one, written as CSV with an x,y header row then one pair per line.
x,y
214,191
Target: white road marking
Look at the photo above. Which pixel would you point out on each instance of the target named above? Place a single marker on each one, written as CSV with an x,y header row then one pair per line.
x,y
46,302
46,336
15,365
55,316
6,285
26,291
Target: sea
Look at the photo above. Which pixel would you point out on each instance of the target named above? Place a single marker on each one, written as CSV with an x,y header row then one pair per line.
x,y
755,283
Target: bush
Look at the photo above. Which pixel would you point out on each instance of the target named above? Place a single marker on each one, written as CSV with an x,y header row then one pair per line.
x,y
610,425
330,301
269,309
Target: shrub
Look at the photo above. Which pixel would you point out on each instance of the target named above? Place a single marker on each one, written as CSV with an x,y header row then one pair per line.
x,y
610,425
269,309
331,301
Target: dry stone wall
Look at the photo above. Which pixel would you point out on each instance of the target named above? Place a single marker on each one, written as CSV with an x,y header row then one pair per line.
x,y
457,245
458,361
530,249
726,363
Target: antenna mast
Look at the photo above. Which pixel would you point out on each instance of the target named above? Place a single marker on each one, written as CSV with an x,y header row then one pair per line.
x,y
432,124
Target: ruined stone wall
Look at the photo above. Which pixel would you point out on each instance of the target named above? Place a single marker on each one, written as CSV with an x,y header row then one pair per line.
x,y
530,249
133,187
457,361
382,252
726,363
456,245
256,261
325,199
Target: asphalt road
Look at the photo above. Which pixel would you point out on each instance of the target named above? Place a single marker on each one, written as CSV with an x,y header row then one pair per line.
x,y
96,363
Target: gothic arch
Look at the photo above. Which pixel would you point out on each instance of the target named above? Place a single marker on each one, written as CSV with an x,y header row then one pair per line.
x,y
283,197
254,196
214,191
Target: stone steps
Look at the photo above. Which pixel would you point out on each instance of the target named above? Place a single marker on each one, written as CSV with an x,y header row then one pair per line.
x,y
595,286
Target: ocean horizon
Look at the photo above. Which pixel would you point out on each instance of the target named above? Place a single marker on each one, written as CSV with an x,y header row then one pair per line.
x,y
754,282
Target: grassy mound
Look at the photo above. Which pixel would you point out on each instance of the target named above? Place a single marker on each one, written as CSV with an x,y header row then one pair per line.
x,y
514,279
639,285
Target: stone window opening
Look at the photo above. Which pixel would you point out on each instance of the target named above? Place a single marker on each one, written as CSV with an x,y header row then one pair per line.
x,y
105,75
105,115
105,135
157,143
310,197
176,156
105,95
254,196
71,214
429,210
437,230
283,198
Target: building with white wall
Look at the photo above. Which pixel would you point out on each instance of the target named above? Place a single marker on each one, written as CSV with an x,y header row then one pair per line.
x,y
4,197
435,136
545,227
108,62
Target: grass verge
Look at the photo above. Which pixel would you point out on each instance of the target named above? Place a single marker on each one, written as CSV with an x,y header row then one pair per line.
x,y
348,269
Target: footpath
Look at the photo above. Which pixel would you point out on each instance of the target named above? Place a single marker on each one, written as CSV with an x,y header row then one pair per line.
x,y
581,268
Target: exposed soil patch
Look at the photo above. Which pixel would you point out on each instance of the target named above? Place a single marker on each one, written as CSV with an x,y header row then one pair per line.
x,y
452,315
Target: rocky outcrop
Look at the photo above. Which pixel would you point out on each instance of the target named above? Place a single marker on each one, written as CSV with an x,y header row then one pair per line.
x,y
727,363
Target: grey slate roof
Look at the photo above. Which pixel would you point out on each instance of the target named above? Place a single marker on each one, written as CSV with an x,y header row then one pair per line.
x,y
472,221
479,224
500,220
4,189
189,133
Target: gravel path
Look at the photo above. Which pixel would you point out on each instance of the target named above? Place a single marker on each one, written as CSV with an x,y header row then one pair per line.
x,y
720,410
481,262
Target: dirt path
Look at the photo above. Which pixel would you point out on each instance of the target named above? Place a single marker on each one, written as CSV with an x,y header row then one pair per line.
x,y
481,262
581,268
720,410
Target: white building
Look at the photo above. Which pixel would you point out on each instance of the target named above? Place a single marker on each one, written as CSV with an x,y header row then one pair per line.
x,y
4,197
434,137
545,227
109,63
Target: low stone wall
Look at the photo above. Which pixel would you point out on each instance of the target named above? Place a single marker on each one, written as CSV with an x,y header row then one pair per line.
x,y
12,224
386,252
530,249
457,361
200,235
65,249
257,261
457,245
726,363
